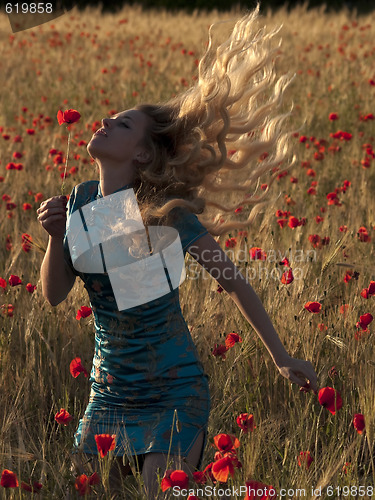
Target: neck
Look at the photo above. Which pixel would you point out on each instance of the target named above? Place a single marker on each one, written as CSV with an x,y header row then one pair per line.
x,y
110,185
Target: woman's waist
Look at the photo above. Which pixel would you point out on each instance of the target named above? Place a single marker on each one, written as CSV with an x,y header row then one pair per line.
x,y
142,371
193,391
109,328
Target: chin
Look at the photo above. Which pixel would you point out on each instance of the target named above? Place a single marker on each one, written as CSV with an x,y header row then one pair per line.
x,y
91,150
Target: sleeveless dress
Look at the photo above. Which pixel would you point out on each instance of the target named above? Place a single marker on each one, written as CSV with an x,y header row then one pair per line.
x,y
148,386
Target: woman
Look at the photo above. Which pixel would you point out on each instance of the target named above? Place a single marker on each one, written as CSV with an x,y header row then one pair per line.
x,y
146,375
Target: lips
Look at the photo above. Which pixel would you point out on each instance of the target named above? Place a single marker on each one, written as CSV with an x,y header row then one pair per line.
x,y
101,131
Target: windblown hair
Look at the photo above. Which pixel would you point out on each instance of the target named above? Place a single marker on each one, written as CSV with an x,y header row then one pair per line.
x,y
209,139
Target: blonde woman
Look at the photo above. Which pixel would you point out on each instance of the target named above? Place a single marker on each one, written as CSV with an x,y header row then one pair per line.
x,y
173,157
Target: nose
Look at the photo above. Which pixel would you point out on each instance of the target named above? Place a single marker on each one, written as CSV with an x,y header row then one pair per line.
x,y
105,122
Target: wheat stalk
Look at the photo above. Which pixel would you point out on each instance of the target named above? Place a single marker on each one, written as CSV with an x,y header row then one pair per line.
x,y
338,247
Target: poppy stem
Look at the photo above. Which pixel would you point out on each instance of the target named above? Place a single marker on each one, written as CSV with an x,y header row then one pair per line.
x,y
66,164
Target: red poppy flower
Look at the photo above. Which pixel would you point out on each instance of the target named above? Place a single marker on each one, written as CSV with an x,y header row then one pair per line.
x,y
287,277
14,280
346,467
231,243
68,116
363,235
333,116
365,294
371,288
313,307
222,468
8,479
348,276
293,222
305,458
76,368
259,491
105,443
83,312
192,497
346,136
318,156
63,417
257,253
364,321
359,422
82,485
327,396
173,478
232,339
7,309
245,422
282,222
220,350
200,477
226,442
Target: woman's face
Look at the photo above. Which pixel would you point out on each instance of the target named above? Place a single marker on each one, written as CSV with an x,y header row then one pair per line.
x,y
120,138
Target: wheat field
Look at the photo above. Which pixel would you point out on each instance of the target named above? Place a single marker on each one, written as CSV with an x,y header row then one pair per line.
x,y
99,64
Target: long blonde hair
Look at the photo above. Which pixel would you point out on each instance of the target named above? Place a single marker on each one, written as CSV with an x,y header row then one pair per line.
x,y
231,108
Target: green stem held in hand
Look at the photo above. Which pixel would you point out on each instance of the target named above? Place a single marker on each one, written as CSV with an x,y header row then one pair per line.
x,y
66,164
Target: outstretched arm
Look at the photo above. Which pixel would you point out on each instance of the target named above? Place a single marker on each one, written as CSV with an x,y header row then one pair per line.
x,y
209,254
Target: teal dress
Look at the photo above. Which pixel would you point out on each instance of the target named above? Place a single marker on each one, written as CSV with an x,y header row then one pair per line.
x,y
146,373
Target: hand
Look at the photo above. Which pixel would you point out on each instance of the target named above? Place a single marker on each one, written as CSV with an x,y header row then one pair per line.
x,y
52,216
297,370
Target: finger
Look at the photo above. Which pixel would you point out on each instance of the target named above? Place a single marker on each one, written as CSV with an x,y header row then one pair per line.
x,y
51,211
312,381
310,374
296,380
312,378
53,217
300,376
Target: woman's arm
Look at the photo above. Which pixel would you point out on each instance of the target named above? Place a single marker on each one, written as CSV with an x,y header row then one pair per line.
x,y
209,254
56,276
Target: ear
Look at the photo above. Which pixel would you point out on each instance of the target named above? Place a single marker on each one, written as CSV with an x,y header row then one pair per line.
x,y
142,156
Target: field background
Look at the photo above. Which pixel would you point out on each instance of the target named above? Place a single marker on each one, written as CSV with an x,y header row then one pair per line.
x,y
98,64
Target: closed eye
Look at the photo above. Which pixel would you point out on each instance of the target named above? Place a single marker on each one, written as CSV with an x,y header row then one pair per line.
x,y
125,124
